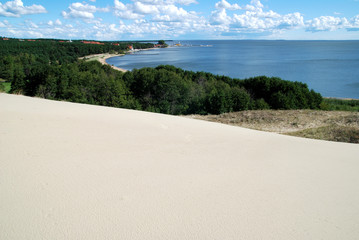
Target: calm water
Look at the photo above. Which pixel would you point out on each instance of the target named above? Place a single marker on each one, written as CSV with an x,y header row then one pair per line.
x,y
328,67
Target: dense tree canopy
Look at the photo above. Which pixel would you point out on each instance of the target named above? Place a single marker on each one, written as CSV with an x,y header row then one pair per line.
x,y
57,51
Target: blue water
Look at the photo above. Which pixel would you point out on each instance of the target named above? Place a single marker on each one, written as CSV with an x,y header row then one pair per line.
x,y
328,67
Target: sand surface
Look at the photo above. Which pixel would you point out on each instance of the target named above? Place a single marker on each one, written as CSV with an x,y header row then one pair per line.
x,y
73,171
102,57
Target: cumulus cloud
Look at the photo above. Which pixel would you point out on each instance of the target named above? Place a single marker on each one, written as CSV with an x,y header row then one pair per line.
x,y
220,17
252,18
119,5
141,8
30,24
172,13
126,11
226,5
354,24
157,10
327,23
16,8
81,10
291,20
57,23
162,15
167,19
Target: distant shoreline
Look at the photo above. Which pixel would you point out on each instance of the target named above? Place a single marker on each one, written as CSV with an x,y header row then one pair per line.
x,y
345,99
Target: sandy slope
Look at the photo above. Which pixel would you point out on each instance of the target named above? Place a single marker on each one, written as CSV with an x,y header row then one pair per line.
x,y
72,171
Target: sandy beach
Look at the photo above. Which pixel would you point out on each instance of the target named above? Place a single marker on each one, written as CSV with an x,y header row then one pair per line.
x,y
75,171
102,59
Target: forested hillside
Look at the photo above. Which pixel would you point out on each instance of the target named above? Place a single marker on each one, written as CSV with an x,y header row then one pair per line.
x,y
59,51
51,69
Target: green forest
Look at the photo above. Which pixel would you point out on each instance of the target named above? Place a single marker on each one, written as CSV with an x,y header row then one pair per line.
x,y
51,69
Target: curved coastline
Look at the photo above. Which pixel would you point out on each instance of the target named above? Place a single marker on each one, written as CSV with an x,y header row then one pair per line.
x,y
102,59
108,56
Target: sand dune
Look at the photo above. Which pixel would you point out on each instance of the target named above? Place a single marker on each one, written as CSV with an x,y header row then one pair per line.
x,y
73,171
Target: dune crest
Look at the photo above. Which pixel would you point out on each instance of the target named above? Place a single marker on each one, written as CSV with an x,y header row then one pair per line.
x,y
75,171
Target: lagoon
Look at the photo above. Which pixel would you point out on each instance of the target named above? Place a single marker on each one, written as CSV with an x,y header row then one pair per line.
x,y
328,67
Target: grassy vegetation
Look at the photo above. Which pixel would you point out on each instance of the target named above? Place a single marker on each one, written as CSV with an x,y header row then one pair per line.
x,y
5,86
333,104
334,132
339,126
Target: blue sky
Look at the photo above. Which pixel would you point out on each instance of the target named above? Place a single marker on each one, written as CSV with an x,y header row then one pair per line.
x,y
180,19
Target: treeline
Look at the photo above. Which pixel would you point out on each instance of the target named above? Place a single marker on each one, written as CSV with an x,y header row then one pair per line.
x,y
164,89
56,51
172,90
81,81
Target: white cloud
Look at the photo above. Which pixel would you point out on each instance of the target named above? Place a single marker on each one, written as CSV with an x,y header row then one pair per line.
x,y
81,10
220,17
327,23
119,5
257,4
156,11
125,11
249,22
254,6
4,24
16,8
30,24
355,21
141,8
172,13
58,22
169,19
160,18
185,2
253,18
270,14
291,20
35,34
223,4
